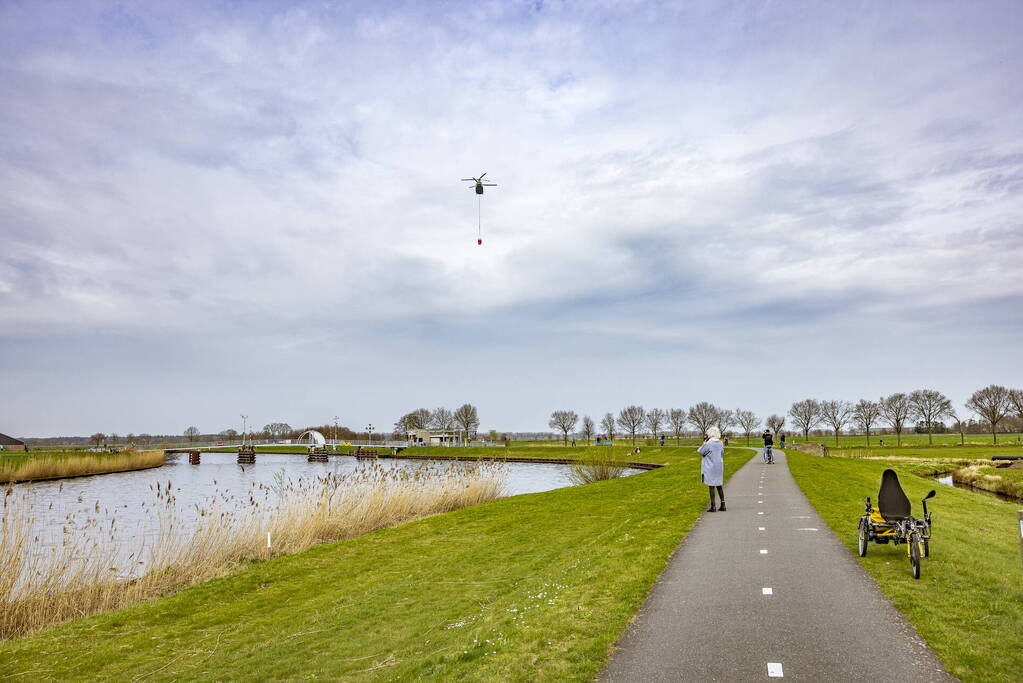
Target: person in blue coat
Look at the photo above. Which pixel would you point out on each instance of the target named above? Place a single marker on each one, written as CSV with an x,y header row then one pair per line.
x,y
712,469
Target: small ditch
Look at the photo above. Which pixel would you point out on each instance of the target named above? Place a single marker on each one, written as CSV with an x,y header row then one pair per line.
x,y
947,480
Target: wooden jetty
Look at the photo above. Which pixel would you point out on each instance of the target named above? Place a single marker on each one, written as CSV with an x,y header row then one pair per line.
x,y
246,456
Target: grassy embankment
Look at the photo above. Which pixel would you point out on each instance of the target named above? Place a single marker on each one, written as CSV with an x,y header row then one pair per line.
x,y
909,440
43,465
533,587
968,604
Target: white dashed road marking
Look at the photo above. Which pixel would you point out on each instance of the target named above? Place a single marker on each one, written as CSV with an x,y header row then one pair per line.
x,y
763,551
760,528
808,528
767,591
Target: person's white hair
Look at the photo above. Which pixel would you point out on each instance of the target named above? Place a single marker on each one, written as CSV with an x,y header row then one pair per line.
x,y
714,433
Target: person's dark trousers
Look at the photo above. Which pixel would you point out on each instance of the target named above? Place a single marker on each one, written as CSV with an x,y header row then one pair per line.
x,y
713,503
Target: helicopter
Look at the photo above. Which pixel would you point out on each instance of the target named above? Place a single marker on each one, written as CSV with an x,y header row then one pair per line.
x,y
479,183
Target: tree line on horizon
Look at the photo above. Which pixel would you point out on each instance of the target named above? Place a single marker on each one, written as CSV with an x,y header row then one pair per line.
x,y
993,404
632,420
929,407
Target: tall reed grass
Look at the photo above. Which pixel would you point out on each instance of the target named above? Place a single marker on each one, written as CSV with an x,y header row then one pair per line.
x,y
31,467
87,573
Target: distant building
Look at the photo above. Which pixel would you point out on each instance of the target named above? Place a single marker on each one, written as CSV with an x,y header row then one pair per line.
x,y
433,437
9,443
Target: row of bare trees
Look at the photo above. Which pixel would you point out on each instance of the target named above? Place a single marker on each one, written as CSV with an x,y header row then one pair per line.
x,y
632,420
931,407
465,418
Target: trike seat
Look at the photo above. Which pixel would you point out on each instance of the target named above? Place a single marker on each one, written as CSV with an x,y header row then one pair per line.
x,y
892,502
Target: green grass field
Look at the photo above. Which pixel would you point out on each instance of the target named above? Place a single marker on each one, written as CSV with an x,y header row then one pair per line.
x,y
909,440
968,603
533,587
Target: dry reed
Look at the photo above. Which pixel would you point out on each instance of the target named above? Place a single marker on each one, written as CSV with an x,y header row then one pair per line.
x,y
80,577
974,476
598,467
32,468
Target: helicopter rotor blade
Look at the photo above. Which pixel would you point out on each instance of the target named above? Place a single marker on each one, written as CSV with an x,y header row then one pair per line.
x,y
481,177
466,180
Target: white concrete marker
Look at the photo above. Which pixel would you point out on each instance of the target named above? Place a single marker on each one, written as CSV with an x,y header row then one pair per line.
x,y
768,591
774,670
763,551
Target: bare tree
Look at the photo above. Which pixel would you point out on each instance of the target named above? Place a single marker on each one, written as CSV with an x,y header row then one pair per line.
x,y
929,406
806,414
895,410
229,433
724,420
992,404
960,424
467,419
836,414
654,419
277,430
442,419
607,423
564,420
631,419
588,429
775,423
677,418
703,416
866,413
419,419
748,421
98,438
1016,401
191,433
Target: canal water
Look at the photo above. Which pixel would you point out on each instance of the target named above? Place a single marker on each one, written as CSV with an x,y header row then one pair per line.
x,y
130,510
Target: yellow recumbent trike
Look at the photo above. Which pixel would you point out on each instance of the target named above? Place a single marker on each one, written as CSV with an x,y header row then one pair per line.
x,y
892,522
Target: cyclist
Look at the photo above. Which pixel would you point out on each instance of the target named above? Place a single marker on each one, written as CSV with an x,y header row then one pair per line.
x,y
768,443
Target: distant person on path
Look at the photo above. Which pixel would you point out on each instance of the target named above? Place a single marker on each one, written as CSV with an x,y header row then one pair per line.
x,y
768,444
712,469
783,441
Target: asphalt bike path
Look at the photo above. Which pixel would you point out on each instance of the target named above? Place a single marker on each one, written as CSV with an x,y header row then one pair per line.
x,y
766,590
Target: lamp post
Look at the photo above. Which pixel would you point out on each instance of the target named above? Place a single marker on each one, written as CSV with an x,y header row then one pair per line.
x,y
369,430
245,425
336,418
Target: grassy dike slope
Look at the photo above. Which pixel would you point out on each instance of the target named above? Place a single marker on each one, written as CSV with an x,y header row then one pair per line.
x,y
968,603
534,587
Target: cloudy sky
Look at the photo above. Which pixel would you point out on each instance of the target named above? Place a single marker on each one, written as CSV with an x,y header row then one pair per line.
x,y
216,208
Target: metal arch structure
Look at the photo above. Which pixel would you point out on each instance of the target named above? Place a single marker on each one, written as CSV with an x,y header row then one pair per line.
x,y
315,438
